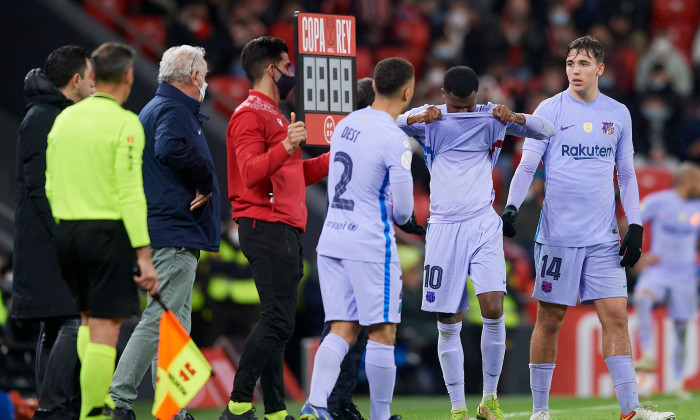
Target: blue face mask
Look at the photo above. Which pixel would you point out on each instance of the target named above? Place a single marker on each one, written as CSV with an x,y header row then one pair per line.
x,y
284,84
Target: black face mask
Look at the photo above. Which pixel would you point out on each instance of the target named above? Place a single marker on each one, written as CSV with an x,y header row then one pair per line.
x,y
284,84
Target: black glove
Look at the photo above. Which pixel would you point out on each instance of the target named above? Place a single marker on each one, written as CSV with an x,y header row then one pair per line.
x,y
412,226
631,246
510,213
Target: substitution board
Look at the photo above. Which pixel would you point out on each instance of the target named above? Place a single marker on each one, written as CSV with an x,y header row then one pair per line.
x,y
326,75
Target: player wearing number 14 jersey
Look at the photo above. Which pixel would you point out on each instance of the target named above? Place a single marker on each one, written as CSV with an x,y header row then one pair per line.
x,y
577,249
369,189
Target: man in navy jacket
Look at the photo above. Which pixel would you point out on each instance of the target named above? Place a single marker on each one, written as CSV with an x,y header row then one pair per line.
x,y
183,208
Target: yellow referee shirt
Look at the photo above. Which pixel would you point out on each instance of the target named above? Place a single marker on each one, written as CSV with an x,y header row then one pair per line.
x,y
93,166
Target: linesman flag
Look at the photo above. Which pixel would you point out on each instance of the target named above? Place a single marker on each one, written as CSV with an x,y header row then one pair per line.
x,y
182,369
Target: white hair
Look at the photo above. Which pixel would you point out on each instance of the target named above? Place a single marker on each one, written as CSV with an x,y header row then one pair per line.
x,y
179,62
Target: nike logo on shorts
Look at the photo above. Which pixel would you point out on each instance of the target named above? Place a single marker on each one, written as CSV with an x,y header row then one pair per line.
x,y
562,128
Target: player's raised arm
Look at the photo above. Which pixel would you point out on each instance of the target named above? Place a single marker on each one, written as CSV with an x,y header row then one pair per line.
x,y
413,122
524,125
518,189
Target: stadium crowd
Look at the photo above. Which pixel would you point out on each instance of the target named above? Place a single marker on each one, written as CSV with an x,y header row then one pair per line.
x,y
515,46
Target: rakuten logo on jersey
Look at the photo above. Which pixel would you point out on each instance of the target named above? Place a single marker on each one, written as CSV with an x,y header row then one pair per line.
x,y
580,152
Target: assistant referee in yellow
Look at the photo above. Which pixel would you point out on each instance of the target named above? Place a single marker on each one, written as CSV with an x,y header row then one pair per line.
x,y
95,187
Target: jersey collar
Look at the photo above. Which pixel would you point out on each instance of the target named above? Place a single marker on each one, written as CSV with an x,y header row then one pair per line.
x,y
104,96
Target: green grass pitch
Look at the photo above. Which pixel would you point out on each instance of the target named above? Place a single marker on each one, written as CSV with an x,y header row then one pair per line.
x,y
514,407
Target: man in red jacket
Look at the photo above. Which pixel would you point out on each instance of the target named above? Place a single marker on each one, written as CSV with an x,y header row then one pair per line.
x,y
267,179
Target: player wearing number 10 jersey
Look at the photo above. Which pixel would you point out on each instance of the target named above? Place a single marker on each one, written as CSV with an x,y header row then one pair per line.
x,y
462,141
577,249
369,189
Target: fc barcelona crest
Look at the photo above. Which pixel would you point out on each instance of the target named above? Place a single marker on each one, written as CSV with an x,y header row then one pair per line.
x,y
546,286
608,128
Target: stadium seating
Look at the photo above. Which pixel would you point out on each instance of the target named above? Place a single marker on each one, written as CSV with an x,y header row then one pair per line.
x,y
104,11
148,28
228,92
652,179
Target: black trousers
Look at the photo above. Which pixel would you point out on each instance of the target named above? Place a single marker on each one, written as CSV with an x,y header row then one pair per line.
x,y
58,369
274,251
341,397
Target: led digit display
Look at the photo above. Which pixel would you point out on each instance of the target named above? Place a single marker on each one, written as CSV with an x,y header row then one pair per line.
x,y
326,72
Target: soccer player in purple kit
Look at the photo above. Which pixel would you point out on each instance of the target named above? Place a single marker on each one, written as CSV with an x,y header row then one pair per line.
x,y
462,141
369,189
577,244
670,268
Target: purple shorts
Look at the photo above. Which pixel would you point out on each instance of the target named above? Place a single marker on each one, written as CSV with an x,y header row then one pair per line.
x,y
454,251
360,291
592,272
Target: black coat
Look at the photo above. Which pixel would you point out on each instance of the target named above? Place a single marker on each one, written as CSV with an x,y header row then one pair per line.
x,y
38,290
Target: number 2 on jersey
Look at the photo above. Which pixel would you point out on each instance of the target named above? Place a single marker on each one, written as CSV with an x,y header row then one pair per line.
x,y
341,186
554,269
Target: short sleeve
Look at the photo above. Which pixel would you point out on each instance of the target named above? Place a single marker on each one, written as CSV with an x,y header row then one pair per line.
x,y
398,157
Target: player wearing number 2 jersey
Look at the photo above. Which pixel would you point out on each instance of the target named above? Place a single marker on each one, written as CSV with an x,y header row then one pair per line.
x,y
577,242
464,236
369,189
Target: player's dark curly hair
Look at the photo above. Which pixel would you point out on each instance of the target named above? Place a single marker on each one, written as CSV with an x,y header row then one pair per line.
x,y
460,81
391,74
64,62
259,53
590,45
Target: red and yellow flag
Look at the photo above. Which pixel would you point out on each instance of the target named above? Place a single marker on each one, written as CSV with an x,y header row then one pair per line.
x,y
182,369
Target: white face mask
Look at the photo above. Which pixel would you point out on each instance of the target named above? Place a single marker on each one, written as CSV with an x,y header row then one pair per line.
x,y
202,90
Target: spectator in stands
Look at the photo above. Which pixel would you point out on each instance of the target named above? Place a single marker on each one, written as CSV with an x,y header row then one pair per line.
x,y
560,32
660,111
283,27
193,24
689,134
695,61
624,17
517,37
39,292
184,218
662,51
618,79
242,26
